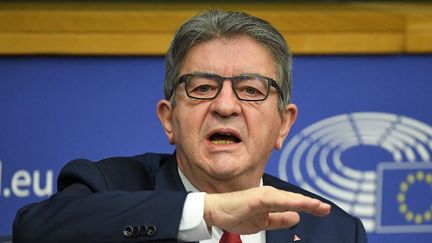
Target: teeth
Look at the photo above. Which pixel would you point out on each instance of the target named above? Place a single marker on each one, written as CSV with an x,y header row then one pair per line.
x,y
222,142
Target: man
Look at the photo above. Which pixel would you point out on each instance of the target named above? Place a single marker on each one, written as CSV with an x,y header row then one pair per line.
x,y
227,90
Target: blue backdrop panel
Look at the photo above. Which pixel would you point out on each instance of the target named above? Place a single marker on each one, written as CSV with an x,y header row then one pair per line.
x,y
363,136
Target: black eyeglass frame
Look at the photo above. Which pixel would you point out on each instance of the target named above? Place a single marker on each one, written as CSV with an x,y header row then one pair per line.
x,y
221,79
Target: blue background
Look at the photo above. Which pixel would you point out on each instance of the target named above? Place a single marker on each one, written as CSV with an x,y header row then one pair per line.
x,y
55,109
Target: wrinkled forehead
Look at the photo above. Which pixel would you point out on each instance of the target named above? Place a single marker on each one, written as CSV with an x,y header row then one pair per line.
x,y
230,56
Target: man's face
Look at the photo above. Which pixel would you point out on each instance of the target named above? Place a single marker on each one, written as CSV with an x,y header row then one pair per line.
x,y
225,139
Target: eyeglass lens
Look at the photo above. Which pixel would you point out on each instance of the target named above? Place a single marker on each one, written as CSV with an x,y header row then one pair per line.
x,y
248,87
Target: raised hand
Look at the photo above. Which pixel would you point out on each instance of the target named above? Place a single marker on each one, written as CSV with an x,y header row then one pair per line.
x,y
261,208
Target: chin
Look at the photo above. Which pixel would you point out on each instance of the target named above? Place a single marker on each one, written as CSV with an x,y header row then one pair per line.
x,y
224,169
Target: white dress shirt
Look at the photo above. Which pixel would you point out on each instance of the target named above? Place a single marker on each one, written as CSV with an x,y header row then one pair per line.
x,y
193,226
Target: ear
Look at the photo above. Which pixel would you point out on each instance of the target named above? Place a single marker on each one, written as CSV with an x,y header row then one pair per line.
x,y
288,116
164,112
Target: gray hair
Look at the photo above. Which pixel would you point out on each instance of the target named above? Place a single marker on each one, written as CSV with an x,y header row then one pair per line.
x,y
218,24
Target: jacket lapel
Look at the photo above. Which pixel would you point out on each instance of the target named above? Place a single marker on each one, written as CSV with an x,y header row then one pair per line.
x,y
167,177
280,235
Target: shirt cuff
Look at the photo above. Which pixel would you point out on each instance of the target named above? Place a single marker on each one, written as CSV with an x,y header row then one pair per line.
x,y
192,225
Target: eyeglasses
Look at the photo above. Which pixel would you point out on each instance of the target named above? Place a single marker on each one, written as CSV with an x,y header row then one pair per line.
x,y
247,87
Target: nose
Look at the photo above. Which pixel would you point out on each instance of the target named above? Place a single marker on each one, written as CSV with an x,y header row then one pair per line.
x,y
226,103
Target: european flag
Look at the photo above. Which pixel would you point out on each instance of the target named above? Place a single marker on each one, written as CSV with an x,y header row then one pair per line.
x,y
404,197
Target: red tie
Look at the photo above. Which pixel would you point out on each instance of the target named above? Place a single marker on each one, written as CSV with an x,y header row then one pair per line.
x,y
228,237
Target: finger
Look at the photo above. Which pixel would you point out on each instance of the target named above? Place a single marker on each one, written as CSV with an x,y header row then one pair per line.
x,y
310,205
323,209
283,220
280,201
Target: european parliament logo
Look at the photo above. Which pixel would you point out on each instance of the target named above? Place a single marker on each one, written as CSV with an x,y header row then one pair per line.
x,y
376,166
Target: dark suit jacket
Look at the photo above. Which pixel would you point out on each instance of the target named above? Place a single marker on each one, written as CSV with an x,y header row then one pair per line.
x,y
131,199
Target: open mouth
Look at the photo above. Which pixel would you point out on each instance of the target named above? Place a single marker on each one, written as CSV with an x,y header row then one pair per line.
x,y
224,138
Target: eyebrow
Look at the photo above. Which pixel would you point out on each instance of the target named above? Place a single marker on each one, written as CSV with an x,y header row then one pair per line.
x,y
237,75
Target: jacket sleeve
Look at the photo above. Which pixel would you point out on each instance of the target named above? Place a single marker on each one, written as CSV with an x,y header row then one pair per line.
x,y
88,208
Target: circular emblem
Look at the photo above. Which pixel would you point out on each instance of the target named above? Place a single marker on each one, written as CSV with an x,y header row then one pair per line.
x,y
316,158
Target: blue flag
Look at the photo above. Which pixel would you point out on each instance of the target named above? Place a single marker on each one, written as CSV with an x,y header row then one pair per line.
x,y
404,197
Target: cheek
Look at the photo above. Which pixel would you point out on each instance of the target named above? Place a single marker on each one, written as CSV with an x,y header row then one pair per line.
x,y
186,124
177,121
264,128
